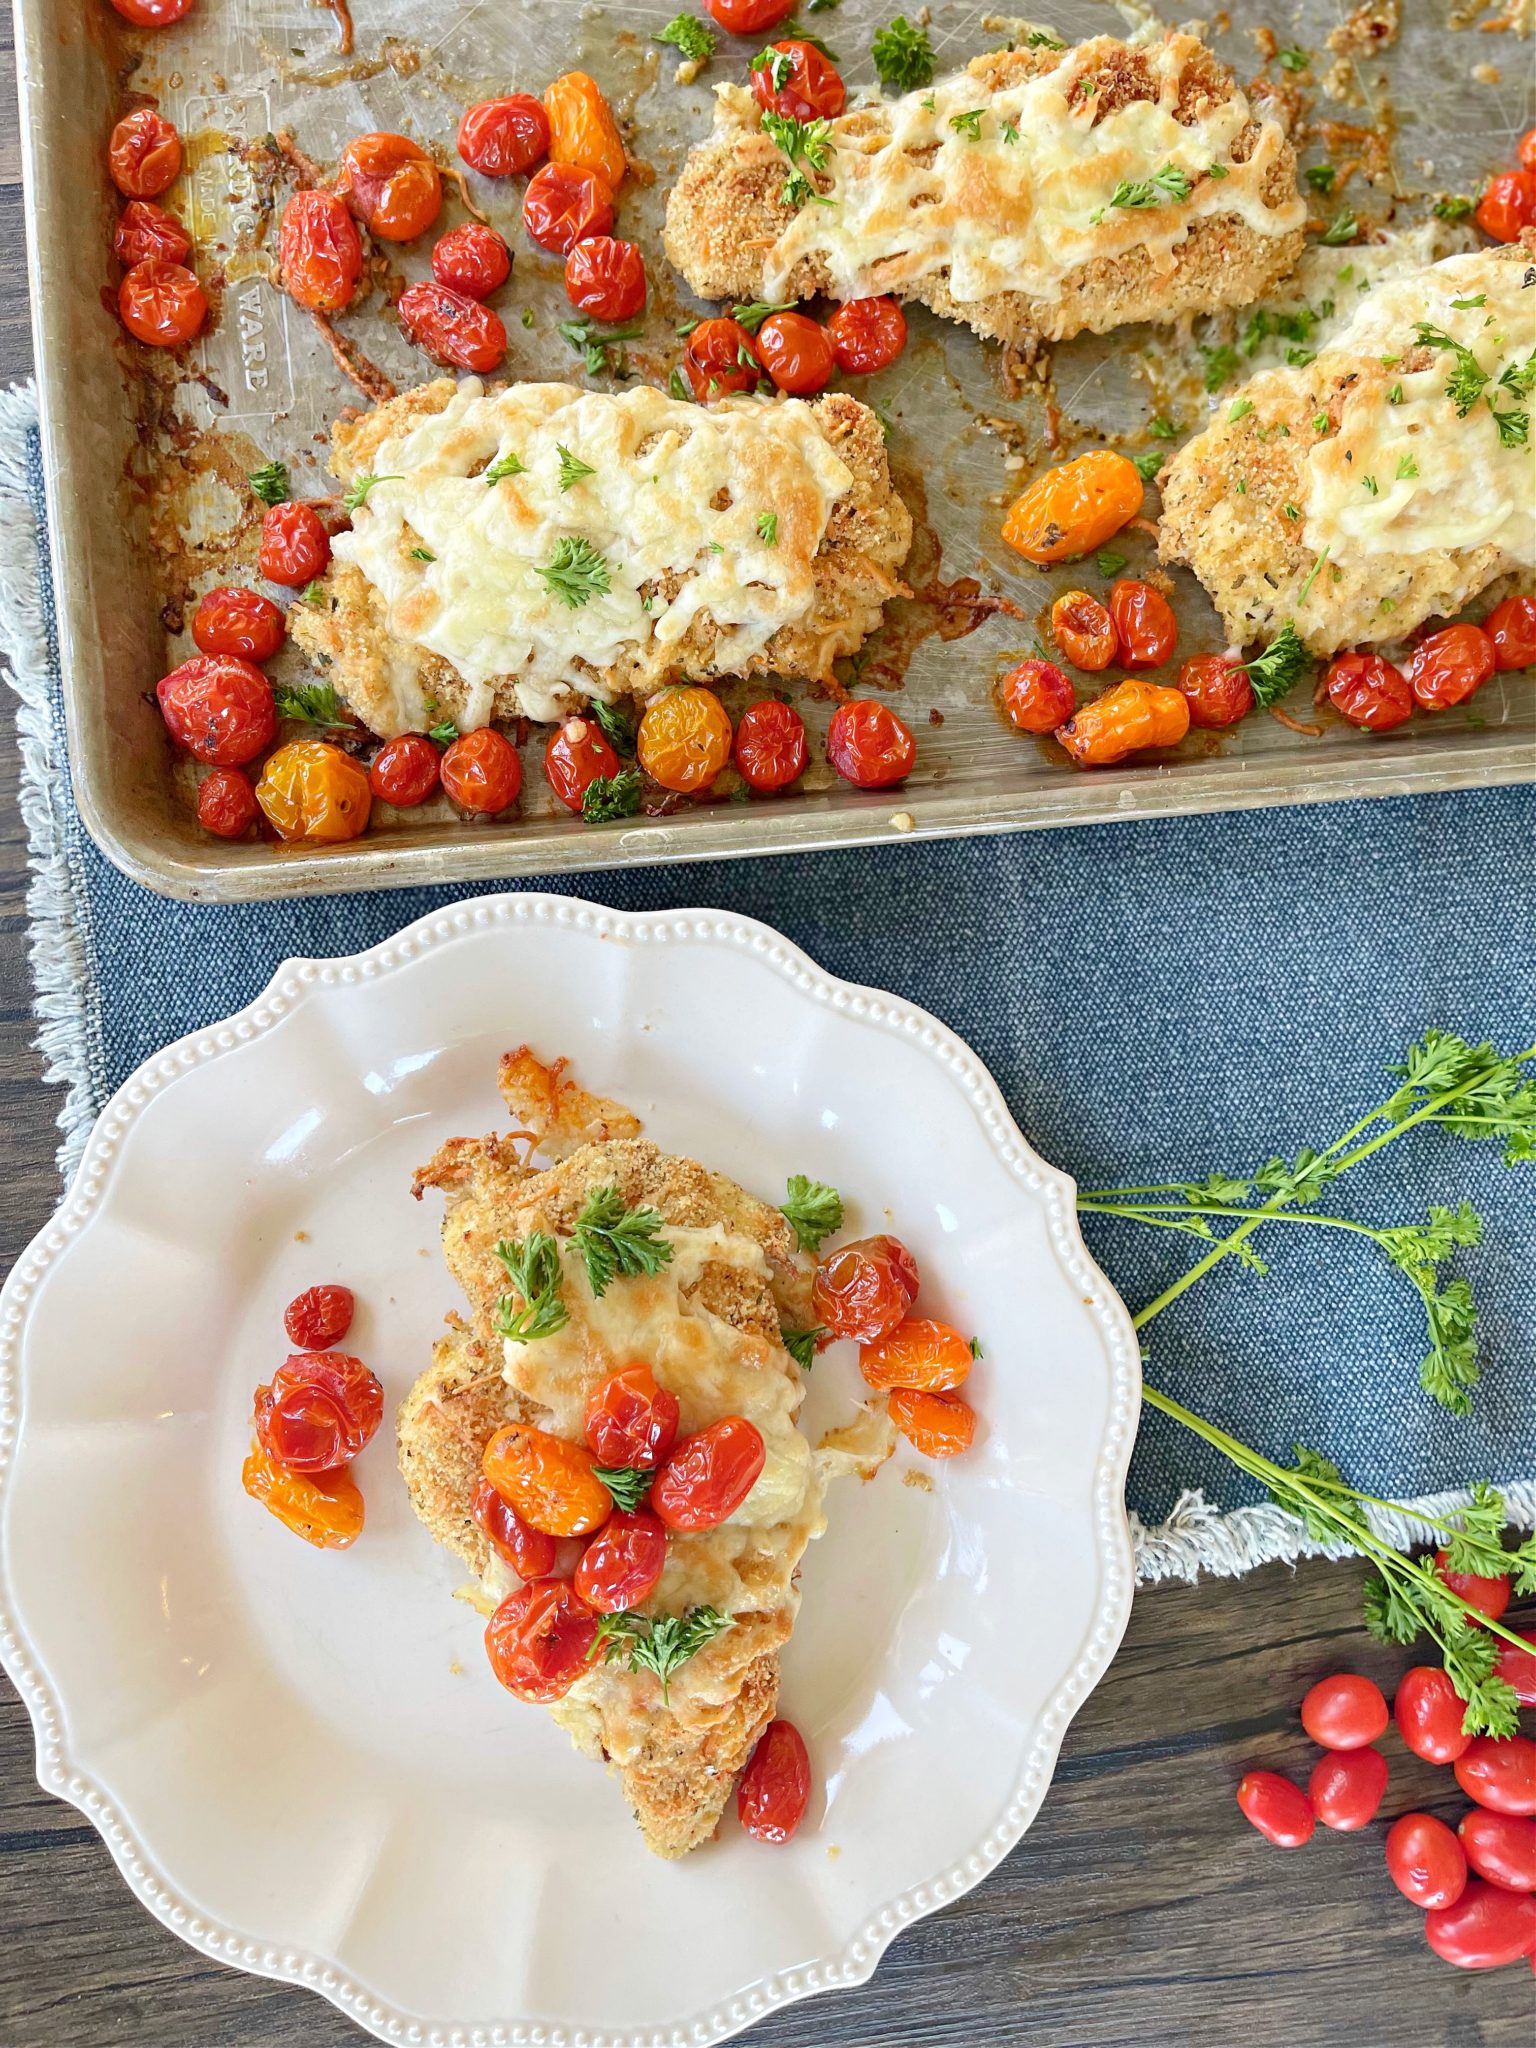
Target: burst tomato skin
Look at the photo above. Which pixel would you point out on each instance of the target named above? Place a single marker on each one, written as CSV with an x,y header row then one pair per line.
x,y
797,353
456,331
575,756
1280,1811
295,547
325,1508
1145,627
720,358
1345,1711
1037,696
1367,690
918,1353
1511,626
684,738
1217,689
1518,1668
623,1563
320,1411
319,252
144,154
582,130
145,230
1075,507
551,1482
605,277
1508,205
405,771
312,791
539,1640
1347,1788
233,620
1425,1861
1132,715
472,260
506,137
938,1425
481,772
867,335
810,88
1500,1847
319,1317
162,304
1485,1929
709,1475
863,1289
219,708
395,188
1084,631
775,1788
748,17
153,13
631,1421
563,205
1428,1713
1500,1775
869,745
226,803
530,1552
1447,667
1489,1595
770,748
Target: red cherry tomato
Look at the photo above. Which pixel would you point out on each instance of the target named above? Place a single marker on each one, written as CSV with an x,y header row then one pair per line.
x,y
394,186
623,1562
1518,1668
794,79
1525,153
1369,691
233,620
153,13
563,205
319,1317
144,154
226,803
295,546
631,1421
869,745
1084,631
146,231
1218,690
455,331
539,1640
709,1475
719,359
1448,666
1344,1712
162,304
1347,1787
319,252
796,351
481,771
1500,1775
1511,626
864,1289
748,17
1429,1711
471,259
1280,1811
575,756
405,771
1489,1595
770,748
319,1412
530,1552
1425,1861
1144,624
1501,1847
867,334
1037,696
775,1787
1508,205
1485,1929
605,278
219,708
503,138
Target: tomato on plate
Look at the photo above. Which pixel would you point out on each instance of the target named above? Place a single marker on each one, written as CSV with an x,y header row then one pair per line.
x,y
1485,1929
456,331
319,1317
864,1289
1499,1773
481,772
582,130
720,358
226,803
709,1475
395,188
1488,1593
1037,696
145,230
153,13
770,749
325,1508
540,1639
1508,205
233,620
503,138
605,278
1346,1788
1084,631
563,205
1345,1711
405,771
530,1552
575,756
295,547
1511,626
312,791
162,304
869,745
748,17
623,1563
1447,667
918,1353
551,1482
631,1421
867,335
1425,1861
320,1410
1500,1847
1367,690
143,154
1217,690
938,1425
1134,714
684,738
471,259
1075,507
1429,1712
219,708
319,252
797,353
775,1788
794,79
1145,627
1280,1811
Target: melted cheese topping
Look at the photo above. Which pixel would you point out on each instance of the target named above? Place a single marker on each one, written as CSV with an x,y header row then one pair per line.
x,y
1027,198
675,498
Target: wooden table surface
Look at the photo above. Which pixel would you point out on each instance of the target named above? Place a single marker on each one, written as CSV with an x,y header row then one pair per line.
x,y
1139,1909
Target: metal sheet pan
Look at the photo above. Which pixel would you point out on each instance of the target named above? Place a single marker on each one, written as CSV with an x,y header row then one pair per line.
x,y
141,462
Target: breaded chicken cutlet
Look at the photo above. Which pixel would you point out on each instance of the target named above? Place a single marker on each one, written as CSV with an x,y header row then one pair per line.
x,y
1037,194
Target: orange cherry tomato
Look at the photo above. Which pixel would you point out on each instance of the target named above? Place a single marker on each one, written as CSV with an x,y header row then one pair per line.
x,y
1132,715
1367,690
1447,667
863,1289
471,259
295,547
162,304
325,1508
1488,1592
144,154
219,708
319,1412
319,252
917,1353
869,745
1037,696
551,1482
794,79
1508,205
1144,624
684,738
748,17
145,230
1499,1773
1425,1861
530,1552
405,771
1074,508
1429,1712
540,1640
1511,626
1346,1789
582,130
938,1425
319,1317
1525,154
395,188
775,1788
503,138
770,749
310,790
456,331
708,1476
233,620
1486,1929
797,353
575,756
1217,689
153,13
867,335
563,205
720,358
606,278
1280,1811
1083,630
622,1564
481,771
631,1421
226,803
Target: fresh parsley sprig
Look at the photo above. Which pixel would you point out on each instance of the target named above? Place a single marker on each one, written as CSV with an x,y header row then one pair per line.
x,y
1276,672
801,1345
690,37
533,1266
903,55
313,703
360,487
1168,183
627,1483
609,797
270,483
658,1646
616,725
572,468
616,1240
602,350
806,146
577,572
814,1210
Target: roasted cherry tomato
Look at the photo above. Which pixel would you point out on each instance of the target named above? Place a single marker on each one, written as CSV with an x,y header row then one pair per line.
x,y
938,1425
1447,667
1367,690
864,1289
471,259
1217,690
620,1567
319,1317
775,1788
1347,1789
1084,631
631,1421
1518,1668
1428,1711
917,1353
1074,508
582,130
708,1476
575,756
219,708
770,749
684,738
1500,1847
481,771
867,335
405,771
153,13
1425,1861
794,79
319,252
1525,154
563,205
321,1409
233,620
1132,715
796,351
1508,205
552,1482
146,231
540,1639
144,154
1488,1594
869,745
1511,626
226,803
455,331
503,138
530,1552
719,358
1344,1712
1280,1811
606,278
1485,1929
1499,1774
295,547
162,304
325,1508
1037,696
395,188
748,17
1145,627
312,791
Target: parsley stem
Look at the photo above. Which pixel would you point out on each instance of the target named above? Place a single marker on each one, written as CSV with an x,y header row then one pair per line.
x,y
1145,1213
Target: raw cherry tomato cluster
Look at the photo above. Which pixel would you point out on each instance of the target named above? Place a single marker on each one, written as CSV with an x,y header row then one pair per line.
x,y
159,300
1508,204
320,1409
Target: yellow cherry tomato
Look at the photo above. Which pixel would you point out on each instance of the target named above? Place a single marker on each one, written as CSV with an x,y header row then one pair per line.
x,y
684,738
312,791
582,130
1074,508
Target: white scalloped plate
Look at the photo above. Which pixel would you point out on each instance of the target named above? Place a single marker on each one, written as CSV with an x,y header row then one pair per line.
x,y
300,1760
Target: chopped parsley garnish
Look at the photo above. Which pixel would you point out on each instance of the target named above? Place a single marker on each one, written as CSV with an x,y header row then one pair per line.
x,y
659,1646
1320,177
602,353
1239,409
1220,365
444,733
1301,595
1454,207
607,797
768,528
677,387
1514,427
801,1345
1406,468
270,483
903,55
361,486
1168,183
422,555
627,1483
806,145
968,123
614,723
1161,429
1370,484
1520,378
533,1264
1109,563
614,1240
756,311
1467,305
314,703
1295,58
1395,395
572,468
313,593
1467,379
814,1210
779,65
1291,511
1009,132
1320,419
1147,464
1343,228
505,465
1218,171
527,316
689,37
1042,39
577,572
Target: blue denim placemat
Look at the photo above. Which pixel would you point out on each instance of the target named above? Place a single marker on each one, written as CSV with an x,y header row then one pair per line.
x,y
1157,999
